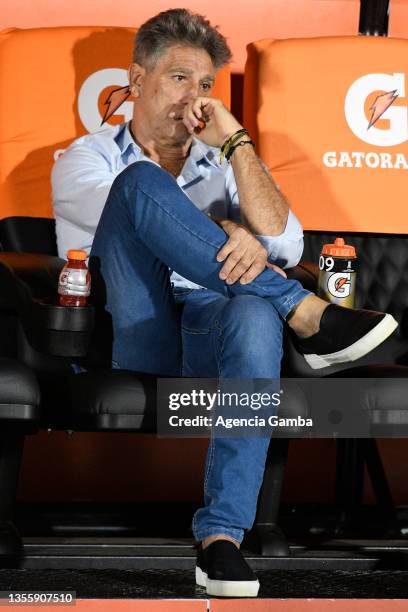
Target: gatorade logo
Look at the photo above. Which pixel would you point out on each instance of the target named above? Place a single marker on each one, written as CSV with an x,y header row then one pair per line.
x,y
393,86
89,94
339,284
388,87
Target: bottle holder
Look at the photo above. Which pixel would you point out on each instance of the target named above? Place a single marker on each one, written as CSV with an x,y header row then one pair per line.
x,y
59,330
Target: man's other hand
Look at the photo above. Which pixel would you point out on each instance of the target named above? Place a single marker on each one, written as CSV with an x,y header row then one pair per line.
x,y
210,121
245,257
276,269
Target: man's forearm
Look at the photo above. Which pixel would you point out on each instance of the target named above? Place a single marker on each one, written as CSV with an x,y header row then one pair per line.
x,y
263,208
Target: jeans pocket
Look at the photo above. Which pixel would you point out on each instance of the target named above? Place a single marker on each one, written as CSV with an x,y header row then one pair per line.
x,y
182,292
181,295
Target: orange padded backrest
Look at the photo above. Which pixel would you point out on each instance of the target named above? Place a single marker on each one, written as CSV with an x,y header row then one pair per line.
x,y
330,119
240,22
53,86
398,19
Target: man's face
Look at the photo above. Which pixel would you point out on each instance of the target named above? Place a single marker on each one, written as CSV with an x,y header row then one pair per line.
x,y
180,75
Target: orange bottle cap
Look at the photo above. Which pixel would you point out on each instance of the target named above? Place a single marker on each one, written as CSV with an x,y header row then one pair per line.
x,y
78,254
339,249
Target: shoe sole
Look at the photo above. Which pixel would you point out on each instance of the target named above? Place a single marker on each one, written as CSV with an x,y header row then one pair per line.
x,y
364,345
227,588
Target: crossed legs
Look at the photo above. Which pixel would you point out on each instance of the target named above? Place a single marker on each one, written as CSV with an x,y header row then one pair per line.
x,y
148,226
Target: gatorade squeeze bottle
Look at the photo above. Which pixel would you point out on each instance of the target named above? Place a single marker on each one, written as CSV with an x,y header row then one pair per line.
x,y
337,273
74,283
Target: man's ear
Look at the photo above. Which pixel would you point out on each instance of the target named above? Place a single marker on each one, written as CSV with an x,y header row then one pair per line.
x,y
136,77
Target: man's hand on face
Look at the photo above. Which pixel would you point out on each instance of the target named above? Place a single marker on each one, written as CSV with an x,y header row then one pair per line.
x,y
245,257
210,121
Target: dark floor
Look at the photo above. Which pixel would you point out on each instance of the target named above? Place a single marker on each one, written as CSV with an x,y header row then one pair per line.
x,y
146,551
147,584
129,553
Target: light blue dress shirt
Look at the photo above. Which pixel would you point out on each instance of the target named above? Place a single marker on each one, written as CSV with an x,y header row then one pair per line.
x,y
82,177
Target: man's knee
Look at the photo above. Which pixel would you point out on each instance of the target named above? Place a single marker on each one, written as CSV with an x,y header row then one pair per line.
x,y
252,323
142,175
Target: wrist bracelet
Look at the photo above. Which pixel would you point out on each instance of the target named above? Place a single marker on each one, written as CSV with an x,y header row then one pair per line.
x,y
232,140
239,144
233,136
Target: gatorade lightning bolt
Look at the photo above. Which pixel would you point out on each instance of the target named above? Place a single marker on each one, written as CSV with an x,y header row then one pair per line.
x,y
337,273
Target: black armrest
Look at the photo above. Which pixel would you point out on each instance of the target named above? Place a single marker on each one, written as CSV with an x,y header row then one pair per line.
x,y
28,287
28,235
24,276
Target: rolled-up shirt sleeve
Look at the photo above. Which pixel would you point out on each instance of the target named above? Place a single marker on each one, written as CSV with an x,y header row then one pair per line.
x,y
81,180
285,249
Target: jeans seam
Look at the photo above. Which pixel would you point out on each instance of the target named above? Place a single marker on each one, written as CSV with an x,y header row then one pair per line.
x,y
218,328
220,346
195,331
210,463
216,246
290,301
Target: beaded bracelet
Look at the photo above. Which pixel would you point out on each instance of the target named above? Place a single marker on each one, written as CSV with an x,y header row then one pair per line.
x,y
239,144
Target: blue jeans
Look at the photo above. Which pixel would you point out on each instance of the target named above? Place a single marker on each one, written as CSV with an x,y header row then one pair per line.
x,y
149,225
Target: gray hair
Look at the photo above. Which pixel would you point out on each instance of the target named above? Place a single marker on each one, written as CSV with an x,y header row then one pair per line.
x,y
178,26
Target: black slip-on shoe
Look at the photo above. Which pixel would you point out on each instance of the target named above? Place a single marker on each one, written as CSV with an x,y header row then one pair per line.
x,y
345,335
223,571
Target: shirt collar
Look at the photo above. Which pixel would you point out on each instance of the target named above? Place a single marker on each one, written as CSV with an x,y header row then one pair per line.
x,y
199,152
125,141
